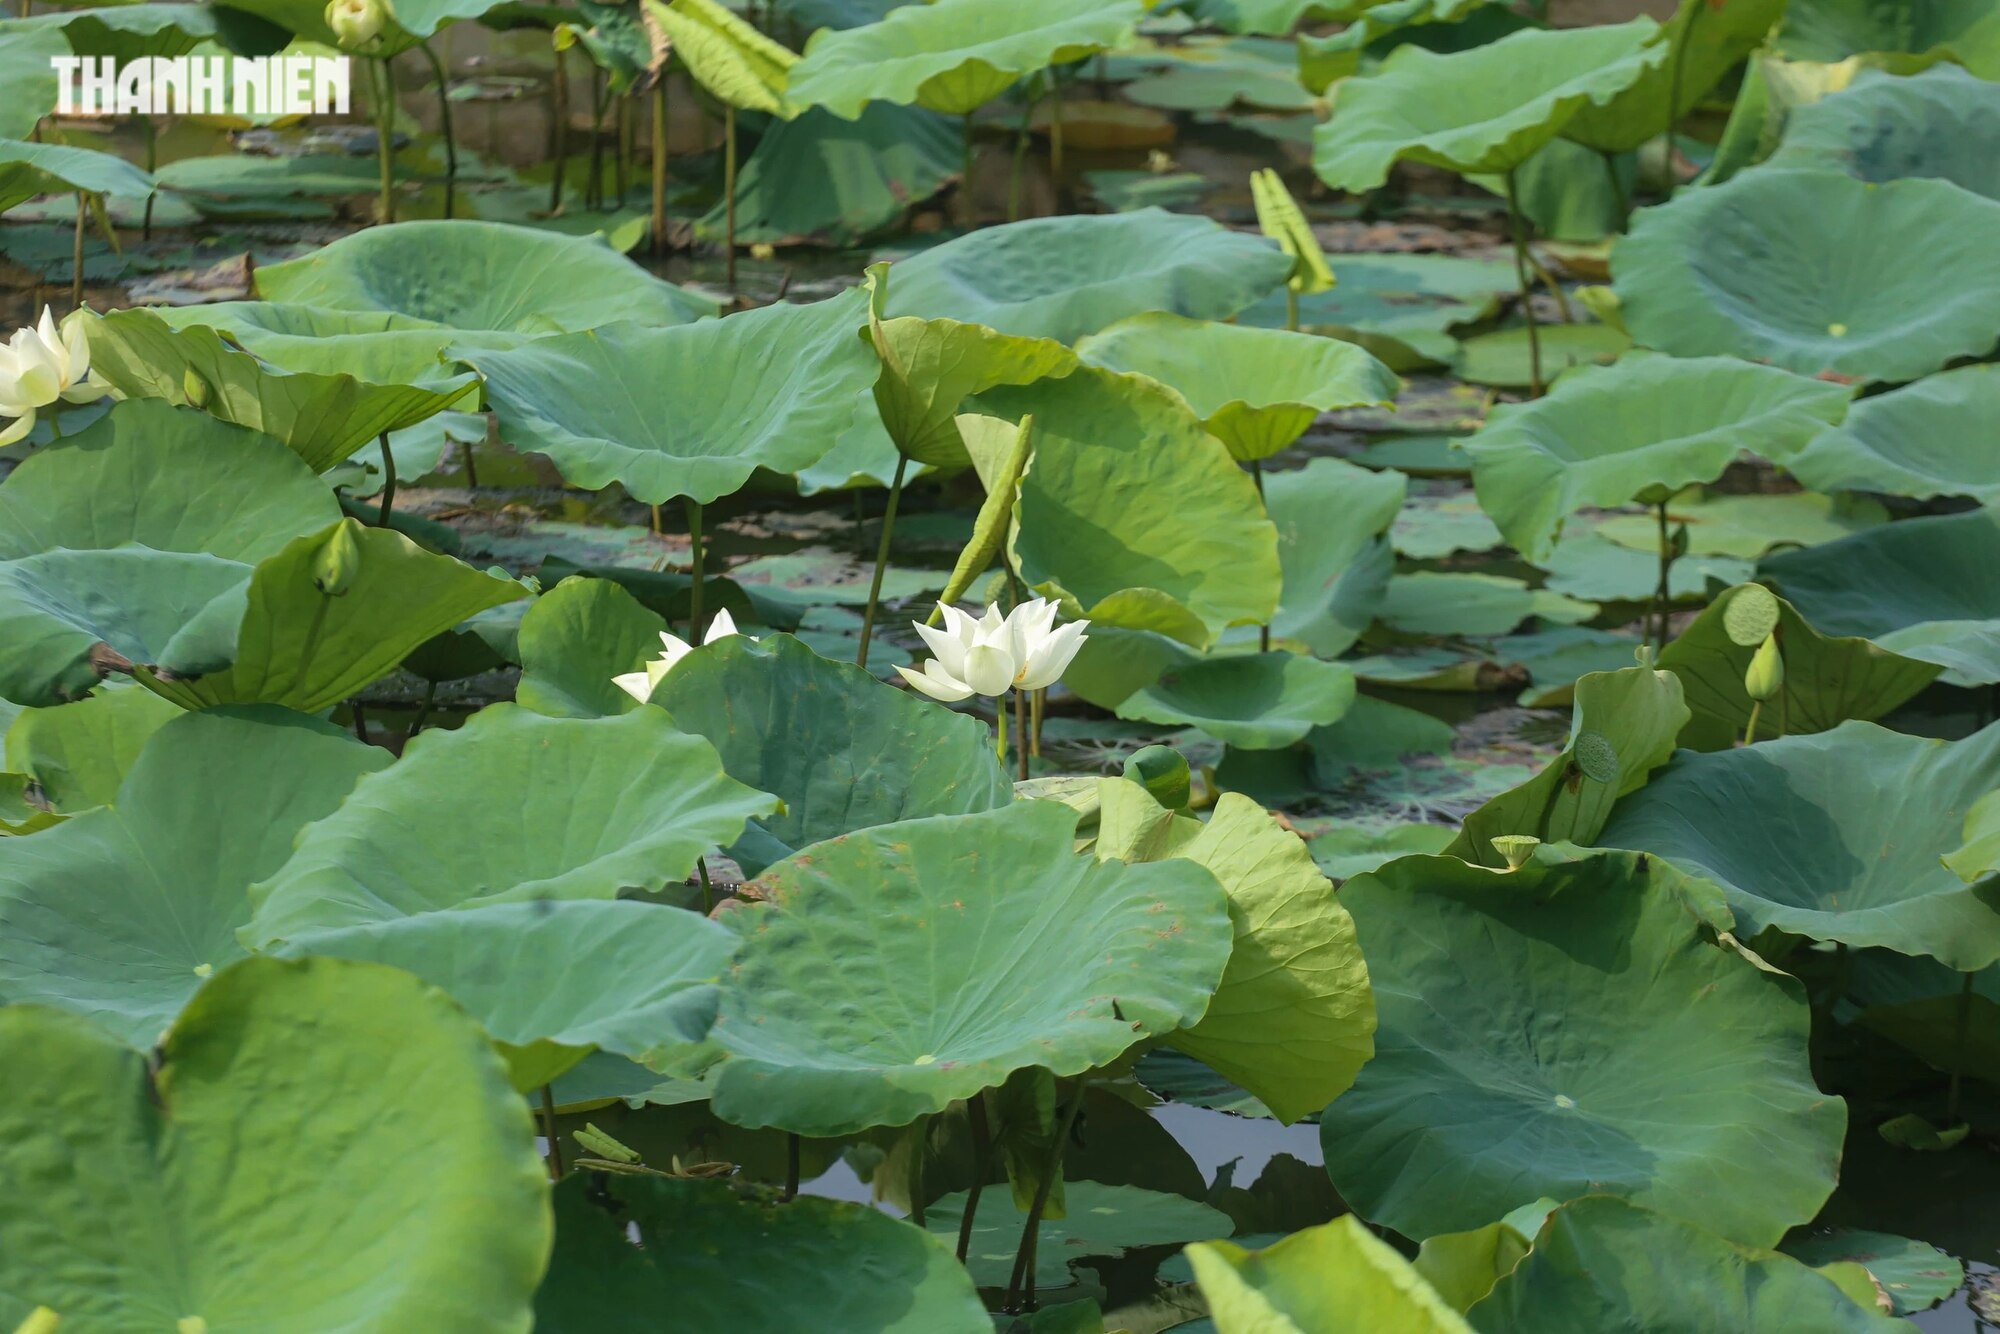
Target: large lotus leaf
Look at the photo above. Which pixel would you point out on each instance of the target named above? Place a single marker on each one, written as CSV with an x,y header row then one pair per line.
x,y
574,639
1068,276
1967,31
819,1264
1274,18
1332,519
1127,492
1397,306
1259,701
1836,836
965,947
550,981
698,408
1596,570
1458,602
1930,438
1337,1276
321,418
285,637
30,169
79,753
1602,1263
954,56
125,33
1827,679
1815,271
1256,390
1707,41
28,77
1938,123
593,806
1322,60
1484,110
1677,1068
1916,1276
1624,727
178,1190
1648,425
120,913
378,346
1922,588
1746,526
1099,1220
841,749
727,57
481,276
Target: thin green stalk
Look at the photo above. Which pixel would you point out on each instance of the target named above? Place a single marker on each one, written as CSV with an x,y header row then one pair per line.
x,y
1555,288
1037,703
1662,604
549,1130
1750,728
621,159
694,593
965,215
1964,1027
152,133
1291,308
423,710
1257,476
385,137
76,259
600,103
1022,1280
1520,230
792,1157
559,112
729,194
443,86
1021,733
881,559
660,165
388,483
707,888
982,1163
1000,732
1618,190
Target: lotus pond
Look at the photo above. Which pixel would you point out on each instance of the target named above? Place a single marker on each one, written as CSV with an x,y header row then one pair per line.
x,y
1054,666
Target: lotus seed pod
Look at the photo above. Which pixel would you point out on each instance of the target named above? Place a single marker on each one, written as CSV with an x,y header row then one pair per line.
x,y
357,24
1751,616
1516,848
1596,756
339,561
194,388
1767,671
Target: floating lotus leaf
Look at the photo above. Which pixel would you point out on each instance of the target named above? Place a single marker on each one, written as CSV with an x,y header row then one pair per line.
x,y
1068,276
1707,41
481,276
30,169
1601,1263
820,1264
1338,1275
1924,439
1100,1220
1260,701
1483,110
1836,836
1256,390
1921,588
176,1190
1504,358
1452,602
550,981
1916,1276
574,639
954,56
968,946
702,407
1647,426
1129,510
1816,272
1398,306
1827,679
1938,123
1474,1105
79,753
1332,519
594,806
1596,570
841,749
120,913
1745,527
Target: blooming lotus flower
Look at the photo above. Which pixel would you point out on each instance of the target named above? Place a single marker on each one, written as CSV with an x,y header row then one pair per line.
x,y
42,364
639,685
993,654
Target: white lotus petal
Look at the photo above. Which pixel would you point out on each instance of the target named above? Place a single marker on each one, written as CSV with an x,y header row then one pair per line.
x,y
989,669
936,684
723,626
1053,657
639,685
19,430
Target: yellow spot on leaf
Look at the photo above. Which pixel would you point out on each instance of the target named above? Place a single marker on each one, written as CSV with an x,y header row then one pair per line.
x,y
926,1059
1837,330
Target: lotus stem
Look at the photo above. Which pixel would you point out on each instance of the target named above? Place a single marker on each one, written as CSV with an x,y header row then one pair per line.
x,y
660,165
549,1131
1291,308
729,195
792,1156
1618,192
621,161
76,258
982,1150
600,102
1750,728
881,559
388,483
1662,606
1555,288
1022,1280
1964,1029
385,137
965,212
1037,702
423,710
1520,229
1257,478
696,561
559,111
1674,94
1000,732
152,135
443,86
707,888
1021,733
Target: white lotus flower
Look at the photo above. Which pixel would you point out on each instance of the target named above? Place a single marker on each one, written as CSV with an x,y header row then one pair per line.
x,y
639,685
993,654
43,364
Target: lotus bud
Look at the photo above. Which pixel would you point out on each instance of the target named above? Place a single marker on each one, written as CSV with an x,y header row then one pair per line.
x,y
357,24
339,561
1766,676
1516,848
41,1320
194,388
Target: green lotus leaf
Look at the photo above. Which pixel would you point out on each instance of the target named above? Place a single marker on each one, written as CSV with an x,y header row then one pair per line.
x,y
574,639
1464,1266
958,914
1916,1276
726,56
120,913
549,981
30,169
1707,42
1925,439
1938,123
1262,84
1634,714
1746,527
80,752
953,56
1274,18
1831,30
1837,836
1980,855
821,1264
322,418
1504,358
475,276
609,803
1259,701
1828,679
1332,519
1596,570
1608,437
705,405
29,78
1322,60
377,346
283,637
1335,1276
1471,1109
1399,307
176,1190
410,21
842,750
1920,588
1101,1220
1452,602
1873,282
1603,1263
126,33
1127,500
1483,110
1065,277
1256,390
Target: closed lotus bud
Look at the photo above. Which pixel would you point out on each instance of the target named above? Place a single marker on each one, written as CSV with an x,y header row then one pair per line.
x,y
339,561
1516,848
194,388
1766,676
357,24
